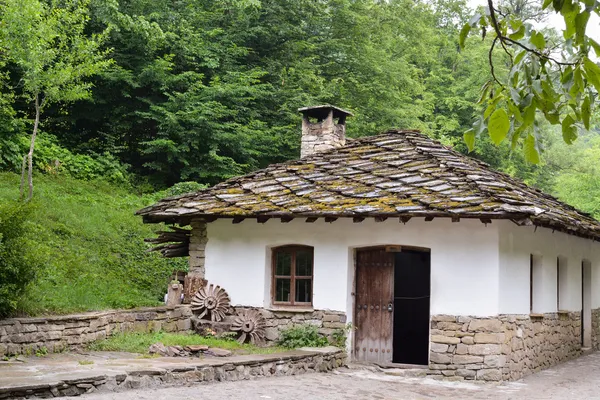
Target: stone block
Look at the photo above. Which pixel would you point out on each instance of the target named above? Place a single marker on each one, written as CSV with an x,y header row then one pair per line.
x,y
466,373
445,339
439,347
494,375
443,318
468,340
462,349
494,360
491,338
485,325
467,359
439,358
485,349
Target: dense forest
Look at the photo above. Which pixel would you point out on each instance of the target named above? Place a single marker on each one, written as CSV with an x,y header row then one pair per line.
x,y
203,90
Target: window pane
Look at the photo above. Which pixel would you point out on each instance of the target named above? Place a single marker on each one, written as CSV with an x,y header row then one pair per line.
x,y
304,260
283,263
282,290
303,290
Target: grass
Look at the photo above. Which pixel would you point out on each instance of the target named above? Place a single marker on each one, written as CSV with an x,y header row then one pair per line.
x,y
134,342
89,247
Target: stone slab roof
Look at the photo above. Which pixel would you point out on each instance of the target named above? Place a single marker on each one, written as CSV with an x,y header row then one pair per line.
x,y
396,174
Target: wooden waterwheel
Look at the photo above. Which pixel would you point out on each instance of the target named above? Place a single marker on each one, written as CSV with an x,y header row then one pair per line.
x,y
251,324
212,300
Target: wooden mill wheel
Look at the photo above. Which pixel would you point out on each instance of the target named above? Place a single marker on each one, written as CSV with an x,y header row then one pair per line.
x,y
212,300
250,324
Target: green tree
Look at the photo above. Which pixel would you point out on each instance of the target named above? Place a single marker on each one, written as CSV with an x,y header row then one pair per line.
x,y
17,268
46,42
550,76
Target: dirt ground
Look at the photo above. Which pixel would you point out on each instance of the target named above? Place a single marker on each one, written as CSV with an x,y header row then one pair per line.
x,y
577,379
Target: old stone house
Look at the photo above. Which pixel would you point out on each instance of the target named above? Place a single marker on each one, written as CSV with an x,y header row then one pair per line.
x,y
434,258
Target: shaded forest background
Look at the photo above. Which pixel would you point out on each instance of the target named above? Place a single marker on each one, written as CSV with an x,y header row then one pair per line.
x,y
203,90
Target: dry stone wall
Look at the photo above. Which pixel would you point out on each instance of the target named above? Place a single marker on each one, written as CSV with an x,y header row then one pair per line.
x,y
596,329
506,347
57,333
327,321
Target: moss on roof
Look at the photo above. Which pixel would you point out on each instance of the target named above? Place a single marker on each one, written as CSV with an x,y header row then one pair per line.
x,y
398,173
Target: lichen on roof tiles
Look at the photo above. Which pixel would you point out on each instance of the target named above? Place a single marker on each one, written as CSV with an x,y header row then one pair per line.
x,y
396,173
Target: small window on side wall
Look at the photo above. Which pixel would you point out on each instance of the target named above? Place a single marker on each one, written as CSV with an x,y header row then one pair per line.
x,y
292,276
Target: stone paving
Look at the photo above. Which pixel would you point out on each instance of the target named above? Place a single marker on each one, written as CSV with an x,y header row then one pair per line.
x,y
573,380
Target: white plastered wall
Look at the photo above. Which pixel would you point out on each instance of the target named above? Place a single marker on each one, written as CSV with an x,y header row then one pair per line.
x,y
517,243
464,259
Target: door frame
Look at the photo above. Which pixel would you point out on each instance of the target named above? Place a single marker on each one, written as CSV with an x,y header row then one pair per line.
x,y
388,247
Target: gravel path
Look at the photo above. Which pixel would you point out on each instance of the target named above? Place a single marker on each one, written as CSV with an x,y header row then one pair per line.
x,y
577,379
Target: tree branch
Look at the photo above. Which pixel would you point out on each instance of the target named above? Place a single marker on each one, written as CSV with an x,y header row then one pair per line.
x,y
504,39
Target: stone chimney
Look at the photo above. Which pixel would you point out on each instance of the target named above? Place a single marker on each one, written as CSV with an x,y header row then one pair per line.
x,y
323,128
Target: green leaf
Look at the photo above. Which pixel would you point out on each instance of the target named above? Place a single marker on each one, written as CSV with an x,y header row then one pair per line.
x,y
498,126
469,137
474,21
581,21
558,5
537,39
546,4
592,72
530,149
595,45
464,32
529,115
569,131
518,34
519,57
586,112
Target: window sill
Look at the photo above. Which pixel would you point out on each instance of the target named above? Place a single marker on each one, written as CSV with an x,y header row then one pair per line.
x,y
536,316
290,309
563,312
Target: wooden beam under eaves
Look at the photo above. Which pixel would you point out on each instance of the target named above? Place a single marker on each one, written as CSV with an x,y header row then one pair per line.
x,y
237,220
211,218
455,219
262,219
285,220
428,219
356,220
380,219
404,219
310,220
486,220
330,219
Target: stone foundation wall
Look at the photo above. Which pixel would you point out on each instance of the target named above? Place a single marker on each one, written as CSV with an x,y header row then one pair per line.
x,y
57,333
596,329
210,370
327,321
507,347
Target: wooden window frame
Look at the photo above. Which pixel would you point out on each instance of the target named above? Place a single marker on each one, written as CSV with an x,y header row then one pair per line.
x,y
293,249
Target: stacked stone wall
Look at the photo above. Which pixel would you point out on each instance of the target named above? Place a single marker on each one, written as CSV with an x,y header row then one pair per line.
x,y
596,329
327,321
506,347
59,333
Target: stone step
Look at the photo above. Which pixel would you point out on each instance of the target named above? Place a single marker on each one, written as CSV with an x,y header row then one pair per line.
x,y
406,372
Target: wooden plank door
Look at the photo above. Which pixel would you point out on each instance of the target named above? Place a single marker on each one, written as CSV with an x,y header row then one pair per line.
x,y
374,305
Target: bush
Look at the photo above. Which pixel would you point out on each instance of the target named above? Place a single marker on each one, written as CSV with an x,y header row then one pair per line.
x,y
306,335
16,267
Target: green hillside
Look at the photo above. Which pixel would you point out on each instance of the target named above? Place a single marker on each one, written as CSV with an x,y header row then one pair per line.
x,y
89,246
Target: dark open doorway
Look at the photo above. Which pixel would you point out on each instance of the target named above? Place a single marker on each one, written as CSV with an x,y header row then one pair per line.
x,y
392,305
412,276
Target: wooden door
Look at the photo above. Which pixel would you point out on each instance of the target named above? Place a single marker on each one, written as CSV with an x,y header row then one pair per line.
x,y
374,305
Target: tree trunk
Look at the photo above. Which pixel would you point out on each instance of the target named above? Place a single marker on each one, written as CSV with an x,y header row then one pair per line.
x,y
29,155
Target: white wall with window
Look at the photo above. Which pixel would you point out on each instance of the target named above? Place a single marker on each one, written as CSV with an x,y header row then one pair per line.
x,y
464,261
557,279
